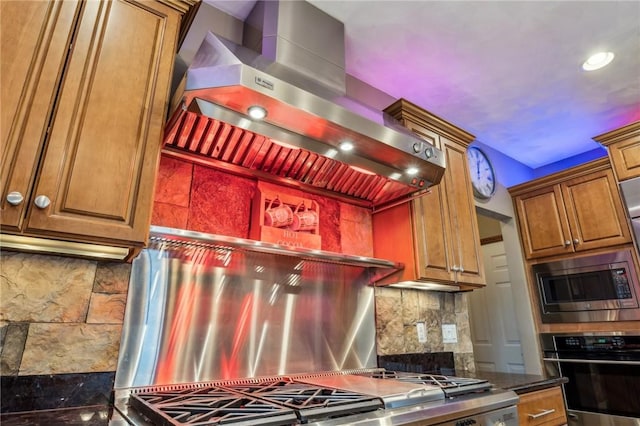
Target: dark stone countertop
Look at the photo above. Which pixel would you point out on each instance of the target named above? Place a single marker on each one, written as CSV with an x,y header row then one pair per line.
x,y
519,383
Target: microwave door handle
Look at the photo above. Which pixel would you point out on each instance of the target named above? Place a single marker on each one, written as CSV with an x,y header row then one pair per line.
x,y
591,361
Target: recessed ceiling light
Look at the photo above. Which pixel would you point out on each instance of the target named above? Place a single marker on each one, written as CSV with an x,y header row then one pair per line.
x,y
598,61
346,146
257,112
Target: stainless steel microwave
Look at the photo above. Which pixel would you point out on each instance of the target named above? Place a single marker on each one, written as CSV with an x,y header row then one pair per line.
x,y
601,287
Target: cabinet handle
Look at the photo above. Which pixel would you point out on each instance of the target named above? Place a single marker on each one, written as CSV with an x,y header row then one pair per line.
x,y
14,198
541,413
42,201
576,241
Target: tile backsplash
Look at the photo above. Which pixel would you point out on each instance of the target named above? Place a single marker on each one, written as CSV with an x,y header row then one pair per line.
x,y
399,310
60,314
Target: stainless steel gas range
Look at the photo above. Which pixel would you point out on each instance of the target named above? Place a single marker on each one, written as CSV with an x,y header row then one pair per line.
x,y
363,397
222,331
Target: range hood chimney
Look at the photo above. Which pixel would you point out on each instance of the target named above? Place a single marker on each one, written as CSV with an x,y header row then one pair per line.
x,y
292,65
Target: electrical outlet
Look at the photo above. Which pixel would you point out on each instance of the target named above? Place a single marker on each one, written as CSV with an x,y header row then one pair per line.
x,y
449,333
422,332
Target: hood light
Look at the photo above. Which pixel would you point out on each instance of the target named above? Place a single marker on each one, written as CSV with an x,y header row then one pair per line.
x,y
411,171
418,285
257,112
346,146
597,61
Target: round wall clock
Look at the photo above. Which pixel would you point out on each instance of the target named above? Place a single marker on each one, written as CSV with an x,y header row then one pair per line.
x,y
483,178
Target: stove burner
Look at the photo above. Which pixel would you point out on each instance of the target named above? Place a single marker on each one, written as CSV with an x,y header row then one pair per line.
x,y
266,403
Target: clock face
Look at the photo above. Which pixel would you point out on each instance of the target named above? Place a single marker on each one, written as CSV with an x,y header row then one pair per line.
x,y
482,174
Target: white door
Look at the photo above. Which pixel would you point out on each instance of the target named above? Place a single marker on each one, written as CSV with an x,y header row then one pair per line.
x,y
494,327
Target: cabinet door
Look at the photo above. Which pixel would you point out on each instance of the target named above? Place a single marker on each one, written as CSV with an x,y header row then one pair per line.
x,y
466,256
99,166
595,212
34,39
544,228
432,234
447,238
625,157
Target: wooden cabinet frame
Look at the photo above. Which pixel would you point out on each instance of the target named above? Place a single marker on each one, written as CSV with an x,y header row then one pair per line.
x,y
436,235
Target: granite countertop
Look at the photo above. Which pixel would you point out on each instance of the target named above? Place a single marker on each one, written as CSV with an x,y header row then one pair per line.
x,y
519,383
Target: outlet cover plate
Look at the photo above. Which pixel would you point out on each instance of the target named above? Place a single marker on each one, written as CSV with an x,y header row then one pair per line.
x,y
449,333
422,332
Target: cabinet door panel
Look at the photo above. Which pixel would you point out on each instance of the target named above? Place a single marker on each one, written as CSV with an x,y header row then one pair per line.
x,y
594,210
464,223
33,39
104,145
432,234
625,157
543,223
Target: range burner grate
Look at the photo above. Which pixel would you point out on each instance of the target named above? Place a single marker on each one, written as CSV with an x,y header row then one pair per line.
x,y
210,406
276,403
311,402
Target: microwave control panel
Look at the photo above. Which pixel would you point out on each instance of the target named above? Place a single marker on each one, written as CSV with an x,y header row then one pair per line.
x,y
623,291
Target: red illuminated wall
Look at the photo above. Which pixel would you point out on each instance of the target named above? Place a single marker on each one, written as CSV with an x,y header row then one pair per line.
x,y
198,198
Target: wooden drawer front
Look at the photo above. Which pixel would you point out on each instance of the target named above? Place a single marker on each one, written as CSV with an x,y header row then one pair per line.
x,y
544,407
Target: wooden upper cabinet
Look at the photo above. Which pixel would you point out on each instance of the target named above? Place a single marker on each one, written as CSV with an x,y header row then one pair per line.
x,y
88,146
34,40
443,242
624,150
575,210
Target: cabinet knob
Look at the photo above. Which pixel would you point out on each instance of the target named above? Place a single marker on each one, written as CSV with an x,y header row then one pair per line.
x,y
42,201
14,198
455,268
567,242
461,269
576,241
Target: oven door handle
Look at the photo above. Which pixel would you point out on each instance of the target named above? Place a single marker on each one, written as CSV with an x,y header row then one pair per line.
x,y
591,361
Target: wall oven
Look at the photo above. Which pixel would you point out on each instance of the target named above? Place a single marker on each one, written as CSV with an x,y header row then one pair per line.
x,y
604,376
602,287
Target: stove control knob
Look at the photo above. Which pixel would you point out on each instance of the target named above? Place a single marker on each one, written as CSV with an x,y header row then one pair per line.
x,y
428,152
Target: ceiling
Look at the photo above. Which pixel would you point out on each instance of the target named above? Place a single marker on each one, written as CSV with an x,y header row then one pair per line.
x,y
508,72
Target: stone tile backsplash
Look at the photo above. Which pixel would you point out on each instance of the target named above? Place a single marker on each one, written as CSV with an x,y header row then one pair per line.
x,y
60,314
398,311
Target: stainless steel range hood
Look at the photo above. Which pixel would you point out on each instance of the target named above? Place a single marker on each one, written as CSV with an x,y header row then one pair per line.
x,y
299,78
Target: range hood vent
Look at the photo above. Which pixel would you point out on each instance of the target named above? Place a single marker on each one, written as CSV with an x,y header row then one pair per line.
x,y
298,77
